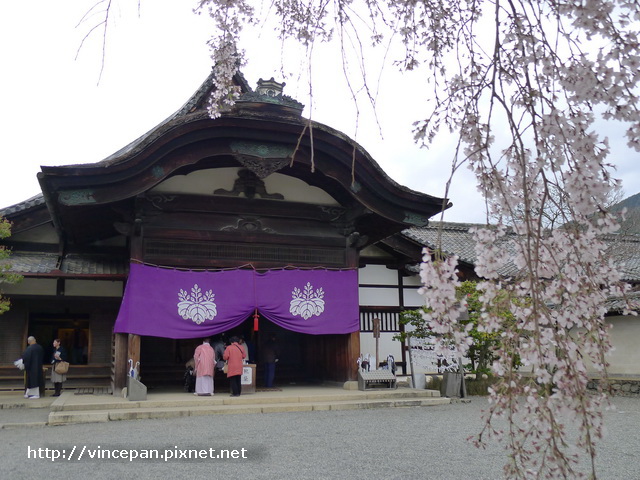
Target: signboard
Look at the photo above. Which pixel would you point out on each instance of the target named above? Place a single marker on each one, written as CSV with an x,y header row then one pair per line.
x,y
376,328
247,375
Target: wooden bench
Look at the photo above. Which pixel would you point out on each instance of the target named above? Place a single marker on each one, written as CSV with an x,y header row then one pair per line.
x,y
376,379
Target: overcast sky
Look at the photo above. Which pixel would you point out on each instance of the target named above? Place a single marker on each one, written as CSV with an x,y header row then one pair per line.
x,y
58,110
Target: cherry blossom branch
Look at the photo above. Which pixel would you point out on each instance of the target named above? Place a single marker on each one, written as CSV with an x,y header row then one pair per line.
x,y
522,84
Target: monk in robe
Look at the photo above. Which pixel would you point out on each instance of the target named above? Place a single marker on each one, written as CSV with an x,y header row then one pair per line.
x,y
204,358
32,358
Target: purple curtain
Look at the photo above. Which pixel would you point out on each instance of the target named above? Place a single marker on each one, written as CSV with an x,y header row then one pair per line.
x,y
172,303
310,301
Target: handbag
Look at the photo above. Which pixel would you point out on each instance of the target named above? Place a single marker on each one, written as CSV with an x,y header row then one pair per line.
x,y
61,367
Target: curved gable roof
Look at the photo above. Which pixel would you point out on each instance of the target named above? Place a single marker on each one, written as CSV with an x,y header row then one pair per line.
x,y
261,132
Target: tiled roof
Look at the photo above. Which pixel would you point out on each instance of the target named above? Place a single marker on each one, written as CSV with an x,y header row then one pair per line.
x,y
26,263
32,262
457,240
625,251
94,264
22,206
616,304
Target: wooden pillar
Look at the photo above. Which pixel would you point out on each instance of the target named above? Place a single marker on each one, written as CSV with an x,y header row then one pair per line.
x,y
403,346
119,363
353,352
133,360
137,241
353,340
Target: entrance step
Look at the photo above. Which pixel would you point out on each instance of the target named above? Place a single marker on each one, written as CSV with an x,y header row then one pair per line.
x,y
78,376
100,408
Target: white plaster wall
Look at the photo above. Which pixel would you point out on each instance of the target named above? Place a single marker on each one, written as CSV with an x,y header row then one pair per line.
x,y
413,280
377,275
295,190
31,286
201,182
92,288
624,359
412,298
205,182
625,338
378,297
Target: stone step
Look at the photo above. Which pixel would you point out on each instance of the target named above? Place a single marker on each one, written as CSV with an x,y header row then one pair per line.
x,y
235,406
70,402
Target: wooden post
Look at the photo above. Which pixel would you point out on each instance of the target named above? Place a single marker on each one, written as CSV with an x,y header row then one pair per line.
x,y
353,354
376,335
404,349
119,366
133,360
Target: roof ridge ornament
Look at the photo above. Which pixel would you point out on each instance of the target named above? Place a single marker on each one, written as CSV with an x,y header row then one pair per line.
x,y
271,91
270,87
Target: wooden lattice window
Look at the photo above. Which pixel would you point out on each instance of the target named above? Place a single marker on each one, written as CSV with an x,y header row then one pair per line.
x,y
389,318
209,252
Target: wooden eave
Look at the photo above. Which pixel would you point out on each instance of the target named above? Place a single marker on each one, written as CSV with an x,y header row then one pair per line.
x,y
86,200
27,219
398,245
58,274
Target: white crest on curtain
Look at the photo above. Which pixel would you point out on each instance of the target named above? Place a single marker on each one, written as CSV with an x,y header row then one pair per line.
x,y
307,303
197,307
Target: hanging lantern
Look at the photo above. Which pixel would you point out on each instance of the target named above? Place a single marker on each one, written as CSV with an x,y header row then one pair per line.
x,y
256,316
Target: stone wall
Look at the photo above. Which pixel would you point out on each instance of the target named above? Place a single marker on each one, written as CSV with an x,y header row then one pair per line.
x,y
623,387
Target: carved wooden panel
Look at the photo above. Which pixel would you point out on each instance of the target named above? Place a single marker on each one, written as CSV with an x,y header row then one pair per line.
x,y
214,253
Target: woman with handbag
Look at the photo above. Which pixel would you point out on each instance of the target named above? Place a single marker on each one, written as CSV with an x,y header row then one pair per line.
x,y
233,355
60,366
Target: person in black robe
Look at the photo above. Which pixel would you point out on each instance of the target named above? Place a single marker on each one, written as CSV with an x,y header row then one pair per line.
x,y
32,359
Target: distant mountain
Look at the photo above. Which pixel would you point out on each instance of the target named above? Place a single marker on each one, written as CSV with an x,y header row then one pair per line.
x,y
631,203
631,225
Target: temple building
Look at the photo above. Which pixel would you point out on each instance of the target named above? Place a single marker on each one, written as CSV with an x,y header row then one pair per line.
x,y
257,222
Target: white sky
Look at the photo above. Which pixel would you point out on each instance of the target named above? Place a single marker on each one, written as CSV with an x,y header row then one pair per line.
x,y
53,111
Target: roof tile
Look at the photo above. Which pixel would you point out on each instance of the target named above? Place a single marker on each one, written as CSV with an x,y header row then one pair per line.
x,y
456,239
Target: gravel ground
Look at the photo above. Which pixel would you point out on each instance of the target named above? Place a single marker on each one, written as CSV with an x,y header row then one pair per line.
x,y
400,443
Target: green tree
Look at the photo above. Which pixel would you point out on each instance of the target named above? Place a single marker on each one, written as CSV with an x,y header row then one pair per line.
x,y
6,276
481,353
